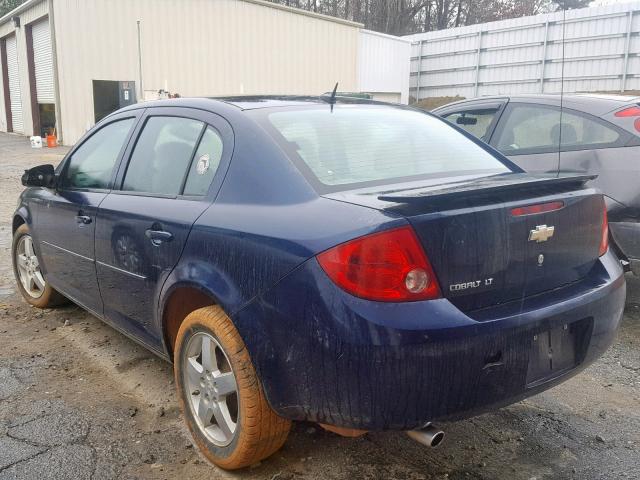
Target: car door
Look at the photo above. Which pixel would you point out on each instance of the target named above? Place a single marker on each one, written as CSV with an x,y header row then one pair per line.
x,y
66,217
529,135
540,138
171,176
596,147
477,118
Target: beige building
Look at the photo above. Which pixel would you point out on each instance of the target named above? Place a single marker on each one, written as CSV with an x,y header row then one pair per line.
x,y
67,63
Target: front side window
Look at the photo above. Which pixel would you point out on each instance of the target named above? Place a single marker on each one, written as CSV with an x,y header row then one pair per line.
x,y
162,155
476,122
91,165
541,129
360,144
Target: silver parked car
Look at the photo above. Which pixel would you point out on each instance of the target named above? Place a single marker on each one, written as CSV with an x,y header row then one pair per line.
x,y
597,134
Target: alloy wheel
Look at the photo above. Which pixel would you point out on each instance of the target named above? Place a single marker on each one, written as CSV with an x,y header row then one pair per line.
x,y
212,391
28,268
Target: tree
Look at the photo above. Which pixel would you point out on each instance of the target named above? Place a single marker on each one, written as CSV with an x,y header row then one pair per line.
x,y
7,5
571,4
401,17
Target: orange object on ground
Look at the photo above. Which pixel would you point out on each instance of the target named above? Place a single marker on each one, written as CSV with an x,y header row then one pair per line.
x,y
52,141
343,432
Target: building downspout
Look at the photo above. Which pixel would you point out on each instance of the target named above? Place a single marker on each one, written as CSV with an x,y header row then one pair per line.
x,y
141,87
56,82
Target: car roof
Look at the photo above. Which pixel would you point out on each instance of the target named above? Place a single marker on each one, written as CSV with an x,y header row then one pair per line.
x,y
233,106
251,102
595,104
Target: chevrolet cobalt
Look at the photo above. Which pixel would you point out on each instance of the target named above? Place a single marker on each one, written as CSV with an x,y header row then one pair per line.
x,y
352,263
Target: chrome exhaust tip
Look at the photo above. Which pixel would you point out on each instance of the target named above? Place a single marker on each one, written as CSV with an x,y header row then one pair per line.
x,y
429,436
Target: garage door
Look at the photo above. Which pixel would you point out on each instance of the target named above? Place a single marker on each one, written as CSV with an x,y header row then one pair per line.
x,y
43,61
14,84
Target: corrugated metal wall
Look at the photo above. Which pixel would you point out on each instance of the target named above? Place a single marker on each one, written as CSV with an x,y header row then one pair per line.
x,y
383,66
197,47
524,55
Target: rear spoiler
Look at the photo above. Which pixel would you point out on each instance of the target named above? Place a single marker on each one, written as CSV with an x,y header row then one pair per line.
x,y
516,183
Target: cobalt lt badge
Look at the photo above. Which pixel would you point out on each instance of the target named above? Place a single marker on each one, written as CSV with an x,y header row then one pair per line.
x,y
542,233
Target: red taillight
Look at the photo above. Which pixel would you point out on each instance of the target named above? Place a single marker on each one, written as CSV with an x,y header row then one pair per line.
x,y
539,208
604,238
629,112
389,266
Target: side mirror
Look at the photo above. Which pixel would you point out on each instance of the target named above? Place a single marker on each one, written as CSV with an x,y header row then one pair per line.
x,y
463,120
40,176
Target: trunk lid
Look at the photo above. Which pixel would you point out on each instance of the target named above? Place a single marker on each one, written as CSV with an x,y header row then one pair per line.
x,y
482,253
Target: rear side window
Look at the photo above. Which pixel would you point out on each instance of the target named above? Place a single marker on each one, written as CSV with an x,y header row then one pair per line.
x,y
91,165
362,144
476,122
162,155
540,129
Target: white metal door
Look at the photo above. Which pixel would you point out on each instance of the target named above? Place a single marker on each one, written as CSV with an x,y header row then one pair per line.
x,y
43,61
14,84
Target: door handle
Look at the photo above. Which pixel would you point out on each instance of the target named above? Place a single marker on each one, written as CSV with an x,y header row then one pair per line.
x,y
158,236
83,219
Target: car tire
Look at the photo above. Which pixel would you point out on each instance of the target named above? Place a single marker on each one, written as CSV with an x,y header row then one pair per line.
x,y
26,265
251,431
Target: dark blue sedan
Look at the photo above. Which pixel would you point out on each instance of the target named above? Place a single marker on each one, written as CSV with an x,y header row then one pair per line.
x,y
356,264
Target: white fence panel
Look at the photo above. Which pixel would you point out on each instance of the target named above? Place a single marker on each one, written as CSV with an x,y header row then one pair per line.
x,y
601,52
383,66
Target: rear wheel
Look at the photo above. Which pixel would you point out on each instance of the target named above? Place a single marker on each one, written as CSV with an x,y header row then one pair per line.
x,y
220,394
26,268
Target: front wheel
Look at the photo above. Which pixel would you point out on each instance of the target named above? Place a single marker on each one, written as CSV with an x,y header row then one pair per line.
x,y
220,393
26,268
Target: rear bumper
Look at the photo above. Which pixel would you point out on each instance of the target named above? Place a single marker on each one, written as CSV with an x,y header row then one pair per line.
x,y
325,356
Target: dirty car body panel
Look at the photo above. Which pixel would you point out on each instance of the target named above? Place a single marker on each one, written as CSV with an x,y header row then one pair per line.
x,y
256,239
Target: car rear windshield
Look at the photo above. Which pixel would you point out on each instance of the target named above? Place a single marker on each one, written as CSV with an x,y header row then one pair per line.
x,y
361,145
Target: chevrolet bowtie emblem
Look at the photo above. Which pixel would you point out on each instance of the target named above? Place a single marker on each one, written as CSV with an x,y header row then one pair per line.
x,y
542,233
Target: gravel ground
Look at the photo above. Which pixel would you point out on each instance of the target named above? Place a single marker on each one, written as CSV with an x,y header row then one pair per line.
x,y
78,400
